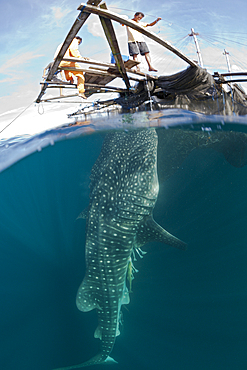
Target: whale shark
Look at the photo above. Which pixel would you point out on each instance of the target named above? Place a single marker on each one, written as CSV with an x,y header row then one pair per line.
x,y
119,222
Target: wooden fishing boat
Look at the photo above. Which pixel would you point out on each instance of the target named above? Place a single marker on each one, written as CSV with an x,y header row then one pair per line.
x,y
193,88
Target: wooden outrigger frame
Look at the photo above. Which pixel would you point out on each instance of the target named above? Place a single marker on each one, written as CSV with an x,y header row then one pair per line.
x,y
221,76
121,68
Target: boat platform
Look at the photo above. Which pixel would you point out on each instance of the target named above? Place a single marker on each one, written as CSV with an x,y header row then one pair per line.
x,y
190,89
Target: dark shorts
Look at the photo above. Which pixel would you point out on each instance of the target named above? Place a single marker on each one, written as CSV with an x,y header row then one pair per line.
x,y
136,48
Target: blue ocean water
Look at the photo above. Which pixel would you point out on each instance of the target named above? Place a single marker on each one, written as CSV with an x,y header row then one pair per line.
x,y
187,309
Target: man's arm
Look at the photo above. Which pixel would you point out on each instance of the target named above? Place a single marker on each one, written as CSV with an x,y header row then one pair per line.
x,y
154,22
74,51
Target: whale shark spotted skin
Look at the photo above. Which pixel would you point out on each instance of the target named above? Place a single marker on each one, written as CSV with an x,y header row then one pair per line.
x,y
123,192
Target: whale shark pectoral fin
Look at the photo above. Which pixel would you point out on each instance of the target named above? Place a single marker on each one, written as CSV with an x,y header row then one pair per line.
x,y
98,333
150,231
118,330
85,299
126,297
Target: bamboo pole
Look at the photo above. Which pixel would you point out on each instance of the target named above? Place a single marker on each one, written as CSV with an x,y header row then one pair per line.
x,y
231,81
216,74
59,97
80,20
112,40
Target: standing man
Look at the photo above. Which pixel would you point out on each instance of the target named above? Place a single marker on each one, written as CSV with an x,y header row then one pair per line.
x,y
73,51
136,42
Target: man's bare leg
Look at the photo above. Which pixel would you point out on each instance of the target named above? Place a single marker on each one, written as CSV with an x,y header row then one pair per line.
x,y
135,57
148,59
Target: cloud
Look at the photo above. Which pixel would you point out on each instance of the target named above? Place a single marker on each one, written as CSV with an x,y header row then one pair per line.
x,y
56,15
13,78
59,14
13,65
22,97
94,26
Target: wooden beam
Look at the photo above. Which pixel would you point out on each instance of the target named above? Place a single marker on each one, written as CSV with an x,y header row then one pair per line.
x,y
112,40
217,74
60,97
80,20
89,61
230,81
128,64
116,17
64,84
102,72
87,70
112,67
106,87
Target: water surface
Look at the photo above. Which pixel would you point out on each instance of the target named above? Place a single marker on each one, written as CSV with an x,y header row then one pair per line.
x,y
187,309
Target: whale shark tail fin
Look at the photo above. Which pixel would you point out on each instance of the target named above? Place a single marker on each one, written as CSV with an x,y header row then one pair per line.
x,y
150,231
96,360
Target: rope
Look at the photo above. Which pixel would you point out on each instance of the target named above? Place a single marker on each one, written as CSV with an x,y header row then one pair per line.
x,y
79,19
16,117
41,112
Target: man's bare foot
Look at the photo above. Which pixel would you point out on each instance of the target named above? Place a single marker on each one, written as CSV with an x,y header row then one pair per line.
x,y
83,96
153,69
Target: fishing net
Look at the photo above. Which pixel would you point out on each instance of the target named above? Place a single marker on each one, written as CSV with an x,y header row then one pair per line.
x,y
193,89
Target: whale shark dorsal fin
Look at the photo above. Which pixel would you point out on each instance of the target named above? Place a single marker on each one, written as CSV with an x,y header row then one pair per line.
x,y
83,214
149,231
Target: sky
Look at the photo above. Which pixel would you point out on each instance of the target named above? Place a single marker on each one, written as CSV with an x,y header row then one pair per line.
x,y
31,30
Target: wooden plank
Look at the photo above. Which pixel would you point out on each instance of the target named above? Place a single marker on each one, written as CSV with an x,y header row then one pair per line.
x,y
128,64
102,74
116,17
80,20
58,83
112,40
131,63
116,73
106,87
89,61
61,87
98,69
87,70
